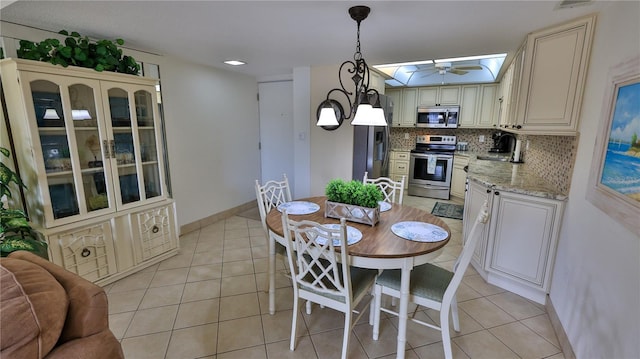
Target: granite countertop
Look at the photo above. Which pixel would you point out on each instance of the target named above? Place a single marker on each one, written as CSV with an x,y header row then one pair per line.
x,y
512,177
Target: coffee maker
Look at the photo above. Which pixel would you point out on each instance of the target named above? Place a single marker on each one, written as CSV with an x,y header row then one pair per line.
x,y
503,142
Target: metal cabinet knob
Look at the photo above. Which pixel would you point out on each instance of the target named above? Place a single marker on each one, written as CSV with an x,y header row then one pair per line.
x,y
85,252
155,229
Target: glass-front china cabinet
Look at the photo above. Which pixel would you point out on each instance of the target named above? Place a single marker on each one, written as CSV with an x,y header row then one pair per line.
x,y
89,149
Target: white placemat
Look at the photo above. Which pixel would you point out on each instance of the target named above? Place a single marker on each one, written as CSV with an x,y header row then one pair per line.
x,y
353,235
384,206
419,231
299,207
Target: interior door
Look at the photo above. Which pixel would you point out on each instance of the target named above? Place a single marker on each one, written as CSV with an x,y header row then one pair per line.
x,y
276,130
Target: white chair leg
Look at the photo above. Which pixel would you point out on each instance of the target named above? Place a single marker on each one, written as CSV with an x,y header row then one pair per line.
x,y
271,276
377,299
294,323
346,334
394,301
309,307
446,338
454,315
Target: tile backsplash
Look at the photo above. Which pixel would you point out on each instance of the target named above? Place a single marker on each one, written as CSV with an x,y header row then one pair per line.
x,y
550,157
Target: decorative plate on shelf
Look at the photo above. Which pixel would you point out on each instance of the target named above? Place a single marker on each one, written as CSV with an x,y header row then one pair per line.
x,y
384,206
353,235
419,231
299,207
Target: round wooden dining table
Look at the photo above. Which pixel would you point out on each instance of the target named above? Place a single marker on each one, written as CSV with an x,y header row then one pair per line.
x,y
379,248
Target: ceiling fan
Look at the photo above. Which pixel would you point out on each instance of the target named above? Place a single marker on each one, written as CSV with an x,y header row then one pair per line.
x,y
444,67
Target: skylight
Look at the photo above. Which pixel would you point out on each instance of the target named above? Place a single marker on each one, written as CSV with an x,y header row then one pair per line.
x,y
469,69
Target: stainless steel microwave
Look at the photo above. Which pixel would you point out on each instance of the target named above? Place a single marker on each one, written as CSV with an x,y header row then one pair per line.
x,y
438,116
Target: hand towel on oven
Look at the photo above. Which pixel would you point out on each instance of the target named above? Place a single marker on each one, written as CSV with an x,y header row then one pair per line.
x,y
431,164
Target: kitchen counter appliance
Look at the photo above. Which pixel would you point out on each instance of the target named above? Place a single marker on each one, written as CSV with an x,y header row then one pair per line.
x,y
431,165
438,116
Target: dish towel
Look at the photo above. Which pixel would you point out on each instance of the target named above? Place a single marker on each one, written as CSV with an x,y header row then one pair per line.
x,y
431,164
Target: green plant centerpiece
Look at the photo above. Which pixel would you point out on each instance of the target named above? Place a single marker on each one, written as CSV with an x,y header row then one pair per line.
x,y
353,200
15,231
76,50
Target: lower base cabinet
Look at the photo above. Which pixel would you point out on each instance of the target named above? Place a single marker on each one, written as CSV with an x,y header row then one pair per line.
x,y
105,250
399,166
518,247
459,176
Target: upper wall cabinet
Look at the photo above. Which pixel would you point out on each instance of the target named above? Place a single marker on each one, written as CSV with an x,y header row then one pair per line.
x,y
90,151
549,95
439,95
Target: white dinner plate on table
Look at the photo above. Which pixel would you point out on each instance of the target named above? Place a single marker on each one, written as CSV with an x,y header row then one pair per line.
x,y
384,206
419,231
299,207
353,235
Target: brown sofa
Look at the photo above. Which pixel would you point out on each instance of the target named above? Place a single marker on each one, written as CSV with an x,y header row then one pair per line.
x,y
49,312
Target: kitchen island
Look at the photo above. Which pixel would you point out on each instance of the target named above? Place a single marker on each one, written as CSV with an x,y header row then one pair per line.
x,y
517,249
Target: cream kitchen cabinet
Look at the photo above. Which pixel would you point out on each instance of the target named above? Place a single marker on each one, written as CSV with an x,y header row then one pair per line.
x,y
488,108
409,107
399,166
518,249
396,97
469,106
547,80
459,176
90,151
439,95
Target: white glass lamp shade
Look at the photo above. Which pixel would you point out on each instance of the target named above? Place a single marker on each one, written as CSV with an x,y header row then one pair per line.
x,y
51,114
80,114
327,116
367,115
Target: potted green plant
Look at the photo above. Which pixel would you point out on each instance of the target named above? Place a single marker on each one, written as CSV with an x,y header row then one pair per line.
x,y
76,50
15,231
353,200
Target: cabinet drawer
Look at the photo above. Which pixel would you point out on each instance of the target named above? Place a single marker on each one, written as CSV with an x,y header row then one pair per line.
x,y
400,167
86,251
396,155
155,232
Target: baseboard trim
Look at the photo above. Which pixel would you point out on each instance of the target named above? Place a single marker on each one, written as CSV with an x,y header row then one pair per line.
x,y
196,225
563,339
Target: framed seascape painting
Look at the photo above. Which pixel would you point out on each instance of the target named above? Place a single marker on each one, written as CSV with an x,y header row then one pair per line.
x,y
614,183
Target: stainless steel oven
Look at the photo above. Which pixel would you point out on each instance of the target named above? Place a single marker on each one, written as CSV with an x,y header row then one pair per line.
x,y
431,166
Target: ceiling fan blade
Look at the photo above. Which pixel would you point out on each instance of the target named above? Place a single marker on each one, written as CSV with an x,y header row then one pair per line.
x,y
475,67
457,71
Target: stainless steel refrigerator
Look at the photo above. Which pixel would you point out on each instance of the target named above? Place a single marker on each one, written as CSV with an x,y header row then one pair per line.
x,y
371,146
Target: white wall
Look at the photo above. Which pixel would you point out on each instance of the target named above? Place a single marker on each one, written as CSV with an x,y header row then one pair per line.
x,y
212,134
596,280
331,151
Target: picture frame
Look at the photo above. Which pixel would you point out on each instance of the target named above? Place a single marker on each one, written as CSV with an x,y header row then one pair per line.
x,y
614,181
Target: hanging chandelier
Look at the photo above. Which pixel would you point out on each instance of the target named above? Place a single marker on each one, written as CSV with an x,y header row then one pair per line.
x,y
359,97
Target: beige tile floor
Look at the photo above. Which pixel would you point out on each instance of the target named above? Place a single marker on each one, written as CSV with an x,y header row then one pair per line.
x,y
210,302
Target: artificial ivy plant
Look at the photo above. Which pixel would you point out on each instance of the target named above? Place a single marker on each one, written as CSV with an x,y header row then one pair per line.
x,y
353,192
15,231
76,50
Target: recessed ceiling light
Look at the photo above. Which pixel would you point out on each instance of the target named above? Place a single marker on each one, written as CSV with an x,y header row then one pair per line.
x,y
235,62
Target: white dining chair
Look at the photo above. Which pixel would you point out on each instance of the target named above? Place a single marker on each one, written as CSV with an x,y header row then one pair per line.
x,y
269,196
322,275
393,191
432,286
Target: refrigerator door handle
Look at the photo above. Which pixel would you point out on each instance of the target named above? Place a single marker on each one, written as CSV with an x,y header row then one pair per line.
x,y
385,161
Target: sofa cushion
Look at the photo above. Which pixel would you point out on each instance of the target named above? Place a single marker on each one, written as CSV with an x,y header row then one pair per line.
x,y
33,309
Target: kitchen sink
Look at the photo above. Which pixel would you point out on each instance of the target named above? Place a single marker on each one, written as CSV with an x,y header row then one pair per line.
x,y
493,158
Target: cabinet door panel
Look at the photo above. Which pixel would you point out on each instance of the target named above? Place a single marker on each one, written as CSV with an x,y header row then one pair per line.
x,y
428,96
468,106
522,237
474,199
409,107
449,95
488,114
155,232
86,251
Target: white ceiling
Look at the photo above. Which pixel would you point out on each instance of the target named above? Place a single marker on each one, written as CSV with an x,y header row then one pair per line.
x,y
273,37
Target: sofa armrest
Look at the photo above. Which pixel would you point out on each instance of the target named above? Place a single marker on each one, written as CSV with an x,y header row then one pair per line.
x,y
88,312
99,346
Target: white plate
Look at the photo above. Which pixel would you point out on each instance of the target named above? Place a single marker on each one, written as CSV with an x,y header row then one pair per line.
x,y
353,235
384,206
299,207
419,231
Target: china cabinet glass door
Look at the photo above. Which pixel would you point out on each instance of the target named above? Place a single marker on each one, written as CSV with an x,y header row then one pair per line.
x,y
66,120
